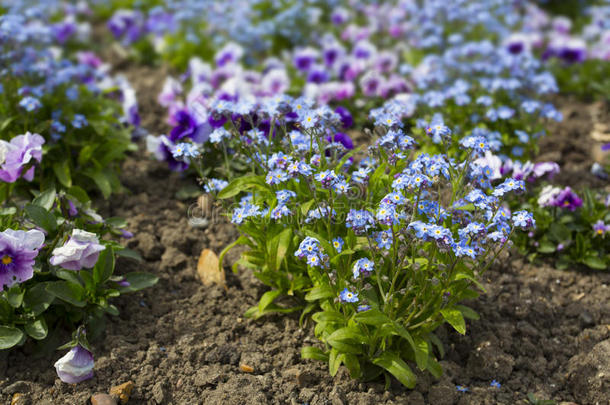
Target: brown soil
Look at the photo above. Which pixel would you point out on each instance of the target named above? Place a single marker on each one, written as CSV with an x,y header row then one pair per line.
x,y
541,331
572,143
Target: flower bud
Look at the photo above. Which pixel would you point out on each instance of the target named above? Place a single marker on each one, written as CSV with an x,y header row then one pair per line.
x,y
75,366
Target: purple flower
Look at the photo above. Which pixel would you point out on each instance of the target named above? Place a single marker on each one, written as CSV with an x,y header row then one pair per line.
x,y
573,51
341,138
63,30
346,118
81,250
17,252
75,366
600,228
18,153
305,58
89,59
543,168
231,52
126,22
567,199
171,89
185,127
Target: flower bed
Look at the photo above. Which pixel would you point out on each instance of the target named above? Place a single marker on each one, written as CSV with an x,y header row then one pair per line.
x,y
375,204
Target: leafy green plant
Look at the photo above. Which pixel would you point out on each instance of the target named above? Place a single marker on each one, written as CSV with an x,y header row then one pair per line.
x,y
382,252
60,295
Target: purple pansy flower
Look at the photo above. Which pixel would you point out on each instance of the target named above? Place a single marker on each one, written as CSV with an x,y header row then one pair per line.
x,y
186,126
18,153
567,199
346,118
17,252
75,366
81,250
600,228
341,138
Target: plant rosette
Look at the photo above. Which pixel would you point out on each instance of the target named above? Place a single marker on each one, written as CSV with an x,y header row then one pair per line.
x,y
383,247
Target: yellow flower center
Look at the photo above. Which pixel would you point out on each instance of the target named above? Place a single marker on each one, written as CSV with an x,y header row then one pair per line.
x,y
7,259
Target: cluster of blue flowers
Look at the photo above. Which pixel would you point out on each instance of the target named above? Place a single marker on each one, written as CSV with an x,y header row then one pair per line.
x,y
311,250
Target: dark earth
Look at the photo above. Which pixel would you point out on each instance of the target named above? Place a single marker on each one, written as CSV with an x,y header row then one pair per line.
x,y
542,330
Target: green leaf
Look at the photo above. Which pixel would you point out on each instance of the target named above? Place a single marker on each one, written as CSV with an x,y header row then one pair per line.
x,y
314,353
240,184
37,329
67,291
242,240
41,217
439,345
455,319
15,296
129,254
346,340
112,310
417,344
10,336
267,299
69,275
7,122
334,361
116,222
8,211
284,239
466,276
62,172
434,367
138,281
102,181
421,353
392,362
372,317
329,316
105,266
37,299
546,247
46,199
468,313
319,293
80,194
353,365
306,206
595,263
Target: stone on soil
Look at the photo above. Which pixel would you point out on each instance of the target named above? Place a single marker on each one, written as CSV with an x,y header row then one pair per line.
x,y
123,391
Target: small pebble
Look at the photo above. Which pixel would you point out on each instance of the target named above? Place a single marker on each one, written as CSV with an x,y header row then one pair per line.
x,y
123,391
20,399
103,399
246,369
